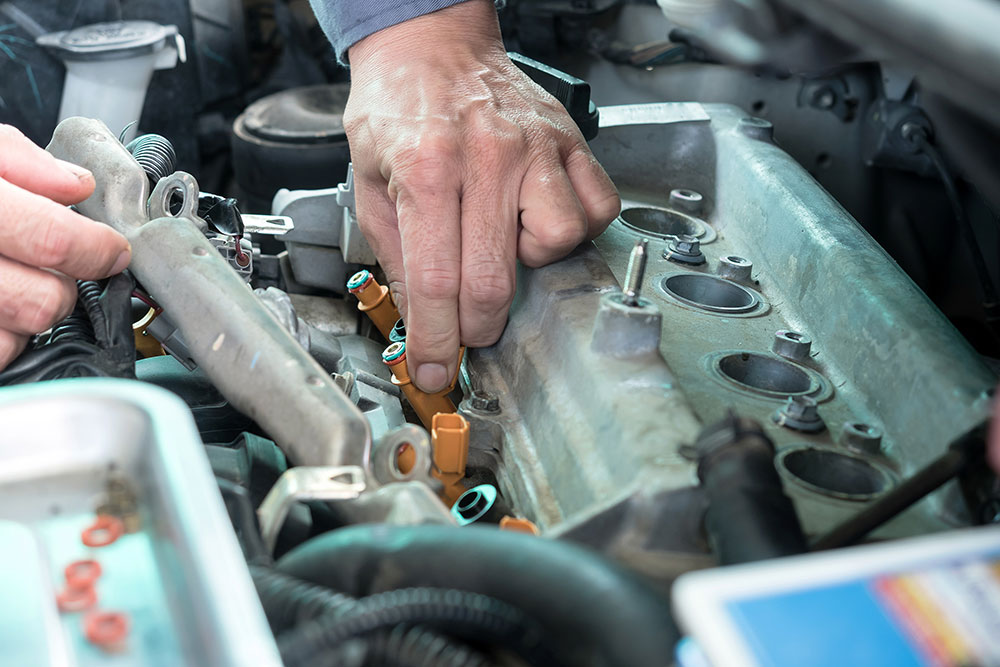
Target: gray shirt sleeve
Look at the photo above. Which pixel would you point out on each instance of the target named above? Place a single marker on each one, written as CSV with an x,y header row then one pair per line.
x,y
348,21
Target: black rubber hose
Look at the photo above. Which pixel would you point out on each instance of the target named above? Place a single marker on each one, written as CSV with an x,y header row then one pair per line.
x,y
990,300
155,154
403,647
592,612
749,517
289,602
468,616
38,361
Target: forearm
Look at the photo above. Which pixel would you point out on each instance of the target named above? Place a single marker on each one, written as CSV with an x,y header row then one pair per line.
x,y
347,22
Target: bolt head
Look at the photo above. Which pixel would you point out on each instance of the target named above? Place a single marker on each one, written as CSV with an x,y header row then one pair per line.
x,y
861,437
686,245
799,414
801,407
482,401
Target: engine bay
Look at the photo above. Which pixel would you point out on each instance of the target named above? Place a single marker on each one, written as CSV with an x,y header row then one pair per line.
x,y
735,370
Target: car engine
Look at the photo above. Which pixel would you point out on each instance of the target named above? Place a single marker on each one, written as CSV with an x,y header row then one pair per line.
x,y
735,370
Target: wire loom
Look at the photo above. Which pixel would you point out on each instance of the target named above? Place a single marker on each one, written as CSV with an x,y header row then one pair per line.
x,y
409,627
95,340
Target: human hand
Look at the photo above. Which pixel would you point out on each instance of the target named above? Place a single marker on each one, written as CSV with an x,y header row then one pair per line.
x,y
43,244
461,166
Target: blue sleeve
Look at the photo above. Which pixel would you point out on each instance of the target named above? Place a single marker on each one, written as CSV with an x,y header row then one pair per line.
x,y
348,21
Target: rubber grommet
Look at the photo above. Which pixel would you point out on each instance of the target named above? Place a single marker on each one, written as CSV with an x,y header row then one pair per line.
x,y
105,530
76,599
105,628
82,573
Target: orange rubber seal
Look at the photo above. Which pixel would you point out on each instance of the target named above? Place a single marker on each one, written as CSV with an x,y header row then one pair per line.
x,y
105,628
105,530
82,573
76,599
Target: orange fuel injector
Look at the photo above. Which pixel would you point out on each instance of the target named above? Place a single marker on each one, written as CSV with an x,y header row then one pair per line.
x,y
450,446
450,441
424,404
374,300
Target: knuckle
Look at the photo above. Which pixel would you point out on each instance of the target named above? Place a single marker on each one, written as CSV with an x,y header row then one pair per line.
x,y
435,283
9,133
490,287
608,208
561,236
434,344
494,147
430,160
52,246
484,338
52,301
353,123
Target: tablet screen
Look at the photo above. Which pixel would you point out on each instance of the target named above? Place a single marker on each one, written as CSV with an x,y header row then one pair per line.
x,y
907,603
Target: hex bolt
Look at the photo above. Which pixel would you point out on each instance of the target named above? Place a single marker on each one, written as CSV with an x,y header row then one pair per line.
x,y
687,201
734,267
861,437
799,414
482,401
792,345
685,250
635,272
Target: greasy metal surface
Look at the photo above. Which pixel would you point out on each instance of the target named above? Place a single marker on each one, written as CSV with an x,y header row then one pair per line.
x,y
122,188
249,356
181,578
589,415
581,429
890,358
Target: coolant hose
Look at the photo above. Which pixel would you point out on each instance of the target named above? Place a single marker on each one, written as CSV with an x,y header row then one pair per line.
x,y
594,613
749,517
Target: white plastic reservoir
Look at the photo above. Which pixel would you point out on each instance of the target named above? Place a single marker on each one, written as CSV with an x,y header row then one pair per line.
x,y
109,66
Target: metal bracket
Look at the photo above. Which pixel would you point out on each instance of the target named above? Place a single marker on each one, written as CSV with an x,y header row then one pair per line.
x,y
306,483
385,453
186,186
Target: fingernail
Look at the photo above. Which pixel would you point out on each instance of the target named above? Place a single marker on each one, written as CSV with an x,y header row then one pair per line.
x,y
122,262
76,170
432,377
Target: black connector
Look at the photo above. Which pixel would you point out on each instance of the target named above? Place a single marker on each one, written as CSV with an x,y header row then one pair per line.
x,y
572,93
